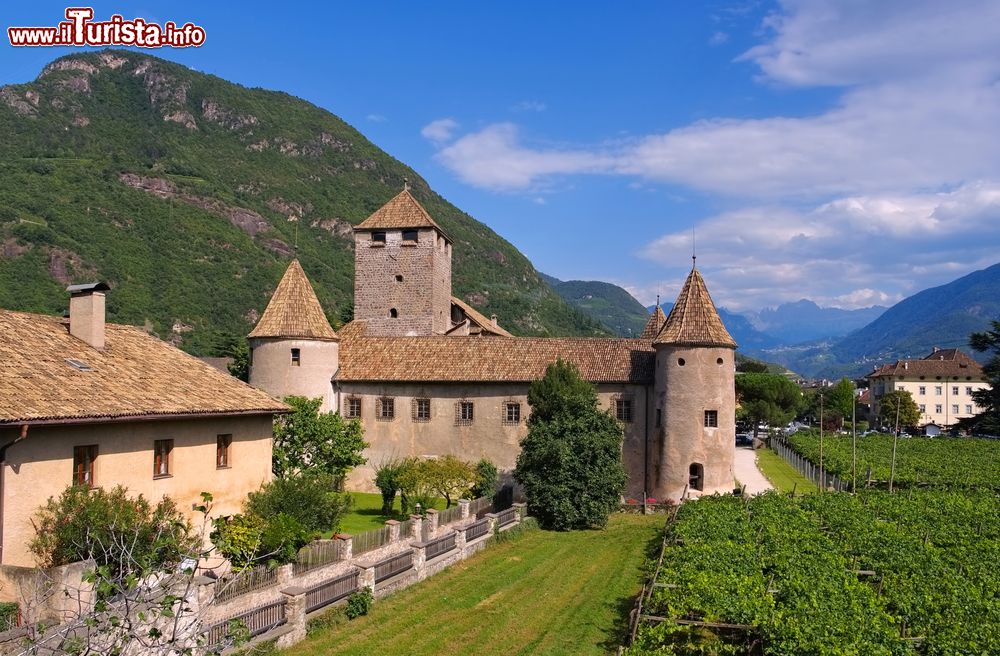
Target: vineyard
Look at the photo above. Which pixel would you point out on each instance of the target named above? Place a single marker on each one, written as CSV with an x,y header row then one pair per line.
x,y
940,462
827,574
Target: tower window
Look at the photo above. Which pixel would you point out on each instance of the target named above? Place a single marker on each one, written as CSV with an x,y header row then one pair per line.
x,y
719,361
399,278
385,408
296,357
393,313
696,476
711,419
421,409
680,362
352,408
378,238
410,235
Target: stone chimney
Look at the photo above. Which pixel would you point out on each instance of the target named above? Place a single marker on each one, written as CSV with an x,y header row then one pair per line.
x,y
493,320
86,312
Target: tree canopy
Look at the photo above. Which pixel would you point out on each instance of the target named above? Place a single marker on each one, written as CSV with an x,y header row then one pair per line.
x,y
320,442
988,421
767,398
909,413
570,462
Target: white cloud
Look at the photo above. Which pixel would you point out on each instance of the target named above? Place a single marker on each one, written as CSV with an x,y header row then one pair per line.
x,y
718,38
376,118
440,131
529,106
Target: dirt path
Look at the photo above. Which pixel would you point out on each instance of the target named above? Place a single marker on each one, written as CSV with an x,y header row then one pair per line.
x,y
746,472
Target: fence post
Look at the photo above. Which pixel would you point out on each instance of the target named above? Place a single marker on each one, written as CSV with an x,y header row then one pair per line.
x,y
419,559
295,617
346,541
493,522
283,575
432,523
522,510
463,509
416,528
366,577
460,541
393,530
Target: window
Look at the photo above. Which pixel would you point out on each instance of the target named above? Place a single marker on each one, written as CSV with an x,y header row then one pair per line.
x,y
222,445
393,313
937,390
296,357
421,410
623,408
399,278
680,362
464,413
711,419
954,409
968,391
923,408
84,458
659,417
378,239
352,408
968,409
410,235
937,408
512,414
696,476
161,457
385,408
954,391
922,390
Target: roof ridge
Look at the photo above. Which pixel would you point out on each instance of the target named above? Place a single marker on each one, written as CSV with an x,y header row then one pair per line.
x,y
694,319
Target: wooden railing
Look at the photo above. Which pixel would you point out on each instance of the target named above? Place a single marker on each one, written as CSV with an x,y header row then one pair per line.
x,y
235,584
390,567
505,517
481,506
449,515
477,530
317,554
326,593
363,542
257,621
435,548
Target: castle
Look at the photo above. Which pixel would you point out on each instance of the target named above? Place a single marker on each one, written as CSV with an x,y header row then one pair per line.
x,y
428,375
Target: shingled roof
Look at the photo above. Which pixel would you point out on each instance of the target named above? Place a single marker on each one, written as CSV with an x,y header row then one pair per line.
x,y
477,318
940,364
488,359
694,321
403,211
47,375
655,323
294,310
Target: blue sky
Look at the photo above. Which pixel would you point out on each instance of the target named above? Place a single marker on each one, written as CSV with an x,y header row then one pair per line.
x,y
845,152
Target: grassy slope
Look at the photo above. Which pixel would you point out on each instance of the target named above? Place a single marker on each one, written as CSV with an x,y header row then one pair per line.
x,y
781,474
541,593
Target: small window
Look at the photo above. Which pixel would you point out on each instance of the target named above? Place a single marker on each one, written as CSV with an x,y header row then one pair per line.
x,y
162,450
421,409
937,408
410,235
464,413
393,313
923,408
659,417
968,409
296,357
378,238
968,391
352,408
84,458
711,419
696,476
954,391
623,408
385,408
922,390
399,278
222,445
954,409
512,414
718,361
937,390
680,362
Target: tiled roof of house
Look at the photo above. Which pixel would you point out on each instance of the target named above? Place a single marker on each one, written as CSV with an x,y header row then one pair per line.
x,y
294,310
489,359
694,321
655,324
940,364
486,325
46,374
403,211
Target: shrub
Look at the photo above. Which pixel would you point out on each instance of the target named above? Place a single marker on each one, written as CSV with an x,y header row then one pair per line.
x,y
487,478
359,603
239,538
387,482
308,498
8,615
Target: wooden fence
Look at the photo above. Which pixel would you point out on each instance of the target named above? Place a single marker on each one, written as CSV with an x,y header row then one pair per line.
x,y
257,621
327,593
477,530
239,583
442,545
364,542
317,554
505,517
386,569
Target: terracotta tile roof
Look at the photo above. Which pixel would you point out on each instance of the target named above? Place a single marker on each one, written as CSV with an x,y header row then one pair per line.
x,y
694,321
403,211
655,324
136,375
943,364
486,325
294,310
489,359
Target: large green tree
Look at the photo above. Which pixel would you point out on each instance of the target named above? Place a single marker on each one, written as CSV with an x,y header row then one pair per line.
x,y
767,398
987,421
570,462
319,442
841,398
909,413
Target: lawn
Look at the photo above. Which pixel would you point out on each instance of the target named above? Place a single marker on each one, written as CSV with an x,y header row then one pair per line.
x,y
366,514
781,474
541,593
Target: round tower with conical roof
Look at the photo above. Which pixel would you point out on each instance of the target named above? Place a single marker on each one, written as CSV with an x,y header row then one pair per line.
x,y
695,397
293,348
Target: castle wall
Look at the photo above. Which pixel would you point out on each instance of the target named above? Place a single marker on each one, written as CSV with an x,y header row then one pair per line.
x,y
487,436
683,393
273,370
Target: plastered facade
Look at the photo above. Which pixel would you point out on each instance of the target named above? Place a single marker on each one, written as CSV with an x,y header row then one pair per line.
x,y
276,372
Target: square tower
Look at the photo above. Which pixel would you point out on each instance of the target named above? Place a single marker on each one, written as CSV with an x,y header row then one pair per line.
x,y
402,271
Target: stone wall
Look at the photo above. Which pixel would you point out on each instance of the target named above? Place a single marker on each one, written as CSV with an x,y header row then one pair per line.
x,y
48,595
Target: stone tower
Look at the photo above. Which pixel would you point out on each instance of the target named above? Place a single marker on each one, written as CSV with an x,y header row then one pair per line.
x,y
402,271
293,349
695,398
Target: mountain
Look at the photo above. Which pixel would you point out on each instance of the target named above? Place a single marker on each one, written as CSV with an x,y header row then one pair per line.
x,y
190,195
610,304
804,321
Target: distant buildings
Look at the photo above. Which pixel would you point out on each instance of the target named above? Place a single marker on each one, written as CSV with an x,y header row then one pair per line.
x,y
941,384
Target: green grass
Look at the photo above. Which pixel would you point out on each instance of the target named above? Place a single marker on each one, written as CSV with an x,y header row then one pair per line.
x,y
781,474
543,592
366,513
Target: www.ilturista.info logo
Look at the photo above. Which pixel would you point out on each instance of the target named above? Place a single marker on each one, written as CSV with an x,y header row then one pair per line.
x,y
79,29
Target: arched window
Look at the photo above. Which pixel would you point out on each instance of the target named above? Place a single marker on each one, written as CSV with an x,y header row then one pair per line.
x,y
696,476
393,313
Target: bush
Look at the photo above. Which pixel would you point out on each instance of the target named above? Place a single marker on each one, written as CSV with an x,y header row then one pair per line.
x,y
487,478
359,603
308,498
387,482
239,538
8,616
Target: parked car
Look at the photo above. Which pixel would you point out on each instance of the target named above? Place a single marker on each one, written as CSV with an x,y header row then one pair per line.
x,y
744,439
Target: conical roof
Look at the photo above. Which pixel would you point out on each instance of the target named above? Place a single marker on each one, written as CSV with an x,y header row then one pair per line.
x,y
294,310
694,321
655,323
402,211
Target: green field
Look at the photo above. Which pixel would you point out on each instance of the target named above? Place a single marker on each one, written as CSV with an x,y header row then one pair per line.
x,y
542,592
366,513
782,475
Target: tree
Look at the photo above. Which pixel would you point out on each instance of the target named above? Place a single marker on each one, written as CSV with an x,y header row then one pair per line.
x,y
487,479
987,421
570,462
841,398
767,398
318,441
387,481
909,413
309,498
750,366
450,477
240,366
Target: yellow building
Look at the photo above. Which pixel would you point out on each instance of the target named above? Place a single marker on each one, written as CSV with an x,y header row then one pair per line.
x,y
941,385
100,404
